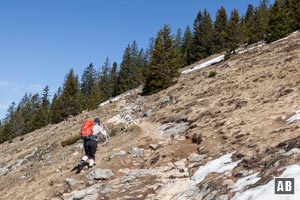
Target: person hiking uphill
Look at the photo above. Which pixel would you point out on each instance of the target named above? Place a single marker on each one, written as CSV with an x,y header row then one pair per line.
x,y
90,144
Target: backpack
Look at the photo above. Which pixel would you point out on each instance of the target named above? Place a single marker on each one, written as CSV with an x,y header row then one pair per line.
x,y
87,128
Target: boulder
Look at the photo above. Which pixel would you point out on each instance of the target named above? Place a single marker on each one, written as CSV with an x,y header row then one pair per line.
x,y
100,174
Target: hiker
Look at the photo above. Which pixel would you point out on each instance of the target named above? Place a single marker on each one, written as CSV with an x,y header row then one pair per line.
x,y
90,144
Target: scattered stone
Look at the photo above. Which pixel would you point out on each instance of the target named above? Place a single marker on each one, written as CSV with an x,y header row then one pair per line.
x,y
71,182
136,152
91,197
292,151
100,174
229,183
154,146
196,157
222,197
167,99
244,173
172,129
148,113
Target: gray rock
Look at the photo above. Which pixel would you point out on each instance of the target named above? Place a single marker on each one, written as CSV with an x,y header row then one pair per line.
x,y
229,183
91,197
100,174
136,152
167,99
222,197
148,113
244,173
211,195
172,129
82,193
196,157
154,146
71,182
292,151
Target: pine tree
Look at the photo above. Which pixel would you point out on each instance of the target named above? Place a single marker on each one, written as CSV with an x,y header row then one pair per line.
x,y
219,30
207,34
105,84
233,32
41,117
124,82
293,8
249,23
69,102
202,38
186,47
261,18
114,78
88,79
164,63
279,23
197,39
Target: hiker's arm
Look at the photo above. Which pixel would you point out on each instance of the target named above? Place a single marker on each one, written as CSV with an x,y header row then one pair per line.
x,y
103,132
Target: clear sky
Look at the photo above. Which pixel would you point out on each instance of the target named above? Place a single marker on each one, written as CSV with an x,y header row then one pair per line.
x,y
41,40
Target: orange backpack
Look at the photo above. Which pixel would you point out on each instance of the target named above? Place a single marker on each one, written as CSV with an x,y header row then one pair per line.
x,y
87,128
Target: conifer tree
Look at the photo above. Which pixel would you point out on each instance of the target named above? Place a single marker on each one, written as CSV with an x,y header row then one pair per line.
x,y
105,84
164,63
293,9
114,78
124,82
197,39
70,101
88,79
279,22
249,23
233,32
261,18
186,47
202,38
219,30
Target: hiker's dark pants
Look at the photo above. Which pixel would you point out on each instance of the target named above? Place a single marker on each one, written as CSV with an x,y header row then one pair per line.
x,y
90,147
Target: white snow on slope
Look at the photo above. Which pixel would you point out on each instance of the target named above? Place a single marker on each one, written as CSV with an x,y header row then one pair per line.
x,y
294,117
245,181
219,165
251,48
205,64
267,192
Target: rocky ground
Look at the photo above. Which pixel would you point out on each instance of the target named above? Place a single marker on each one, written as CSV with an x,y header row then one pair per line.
x,y
207,137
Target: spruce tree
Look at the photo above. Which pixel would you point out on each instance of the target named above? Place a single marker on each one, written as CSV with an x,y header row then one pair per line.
x,y
114,78
105,84
219,30
249,23
197,39
260,27
203,36
186,47
279,22
124,82
293,8
164,63
233,32
70,101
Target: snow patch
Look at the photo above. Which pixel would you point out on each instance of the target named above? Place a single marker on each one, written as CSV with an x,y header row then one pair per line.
x,y
266,192
293,118
219,165
205,64
251,48
245,181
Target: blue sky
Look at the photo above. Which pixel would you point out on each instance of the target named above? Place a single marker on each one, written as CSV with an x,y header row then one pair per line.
x,y
40,41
